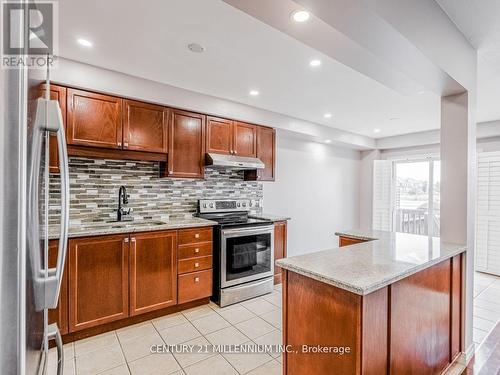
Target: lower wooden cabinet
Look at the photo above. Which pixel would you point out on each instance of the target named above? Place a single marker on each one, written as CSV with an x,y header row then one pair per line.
x,y
59,315
153,271
195,285
98,280
280,234
346,241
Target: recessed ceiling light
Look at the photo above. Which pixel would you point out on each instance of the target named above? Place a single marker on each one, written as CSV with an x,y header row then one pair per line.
x,y
195,47
254,92
315,62
328,141
376,130
327,115
84,42
300,16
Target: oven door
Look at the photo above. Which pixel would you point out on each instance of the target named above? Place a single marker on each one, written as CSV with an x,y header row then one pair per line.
x,y
246,254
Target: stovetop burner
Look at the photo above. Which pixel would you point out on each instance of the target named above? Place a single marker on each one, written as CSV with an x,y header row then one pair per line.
x,y
228,212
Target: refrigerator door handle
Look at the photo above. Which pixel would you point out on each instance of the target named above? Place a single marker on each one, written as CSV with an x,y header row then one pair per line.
x,y
54,279
54,334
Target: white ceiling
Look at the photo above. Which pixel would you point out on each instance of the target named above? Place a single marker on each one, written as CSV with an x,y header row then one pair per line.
x,y
241,54
479,21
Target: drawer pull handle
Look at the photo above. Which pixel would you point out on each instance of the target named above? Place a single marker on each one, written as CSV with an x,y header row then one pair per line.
x,y
197,265
196,279
197,250
197,235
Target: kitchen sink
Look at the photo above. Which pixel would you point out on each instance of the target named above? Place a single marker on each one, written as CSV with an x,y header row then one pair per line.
x,y
125,224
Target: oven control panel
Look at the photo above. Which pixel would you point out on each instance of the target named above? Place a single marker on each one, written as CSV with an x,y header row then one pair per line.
x,y
224,205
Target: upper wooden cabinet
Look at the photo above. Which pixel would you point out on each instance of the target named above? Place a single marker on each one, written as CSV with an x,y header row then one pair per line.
x,y
186,146
153,271
98,280
245,139
219,135
266,151
145,127
56,93
94,119
59,315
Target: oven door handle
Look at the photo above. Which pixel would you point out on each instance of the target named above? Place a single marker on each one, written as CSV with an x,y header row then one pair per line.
x,y
247,231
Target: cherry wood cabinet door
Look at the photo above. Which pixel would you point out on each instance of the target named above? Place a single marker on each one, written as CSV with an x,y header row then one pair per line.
x,y
56,93
245,139
145,127
94,119
59,315
186,145
280,239
153,271
266,151
219,135
98,280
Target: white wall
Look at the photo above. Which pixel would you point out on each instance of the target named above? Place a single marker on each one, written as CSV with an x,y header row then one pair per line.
x,y
317,185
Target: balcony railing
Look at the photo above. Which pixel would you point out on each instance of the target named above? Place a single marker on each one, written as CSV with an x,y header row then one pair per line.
x,y
416,221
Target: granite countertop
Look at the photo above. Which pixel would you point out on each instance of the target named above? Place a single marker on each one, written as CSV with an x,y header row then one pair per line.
x,y
271,217
103,228
366,267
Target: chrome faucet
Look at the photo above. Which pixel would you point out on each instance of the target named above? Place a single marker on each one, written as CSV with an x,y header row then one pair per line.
x,y
121,214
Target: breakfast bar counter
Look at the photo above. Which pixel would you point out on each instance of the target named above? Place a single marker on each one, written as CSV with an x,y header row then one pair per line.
x,y
387,303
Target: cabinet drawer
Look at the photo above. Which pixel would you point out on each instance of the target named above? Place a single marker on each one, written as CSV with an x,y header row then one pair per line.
x,y
195,285
189,236
194,250
194,264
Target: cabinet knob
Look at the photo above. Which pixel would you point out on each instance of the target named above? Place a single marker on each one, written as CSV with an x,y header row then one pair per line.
x,y
197,235
119,144
132,239
196,279
197,250
235,152
125,144
196,265
125,240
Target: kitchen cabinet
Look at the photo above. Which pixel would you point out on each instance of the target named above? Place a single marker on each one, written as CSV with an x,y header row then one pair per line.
x,y
346,241
195,285
56,93
94,119
145,127
280,242
98,280
266,152
219,136
153,271
59,315
186,145
244,139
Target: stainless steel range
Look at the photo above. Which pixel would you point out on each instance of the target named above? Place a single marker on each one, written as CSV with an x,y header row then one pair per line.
x,y
243,251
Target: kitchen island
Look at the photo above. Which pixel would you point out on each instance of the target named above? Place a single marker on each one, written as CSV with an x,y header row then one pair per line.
x,y
388,303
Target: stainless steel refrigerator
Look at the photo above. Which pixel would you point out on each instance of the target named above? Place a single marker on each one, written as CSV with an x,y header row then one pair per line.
x,y
28,287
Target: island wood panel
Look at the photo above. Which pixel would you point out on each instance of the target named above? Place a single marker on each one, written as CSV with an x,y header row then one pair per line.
x,y
219,135
266,152
186,151
153,271
456,307
245,139
145,127
420,322
98,280
280,243
346,241
320,314
59,315
93,119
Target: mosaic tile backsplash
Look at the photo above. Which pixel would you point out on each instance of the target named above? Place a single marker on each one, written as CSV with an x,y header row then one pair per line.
x,y
94,185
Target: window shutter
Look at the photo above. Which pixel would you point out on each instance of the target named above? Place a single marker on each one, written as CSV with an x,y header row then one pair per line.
x,y
382,195
488,213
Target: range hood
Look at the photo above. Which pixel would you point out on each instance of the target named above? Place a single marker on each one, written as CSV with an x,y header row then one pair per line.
x,y
233,162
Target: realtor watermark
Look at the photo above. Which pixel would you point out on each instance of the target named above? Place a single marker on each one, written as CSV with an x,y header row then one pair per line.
x,y
30,34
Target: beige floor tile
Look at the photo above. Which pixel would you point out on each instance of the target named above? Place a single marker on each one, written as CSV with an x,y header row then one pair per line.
x,y
99,360
275,298
154,364
227,336
69,365
478,335
483,324
278,287
215,365
245,362
273,317
198,312
188,358
169,321
69,351
210,323
137,330
493,316
179,334
236,314
279,358
259,306
138,347
97,342
270,368
255,327
488,305
271,338
120,370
